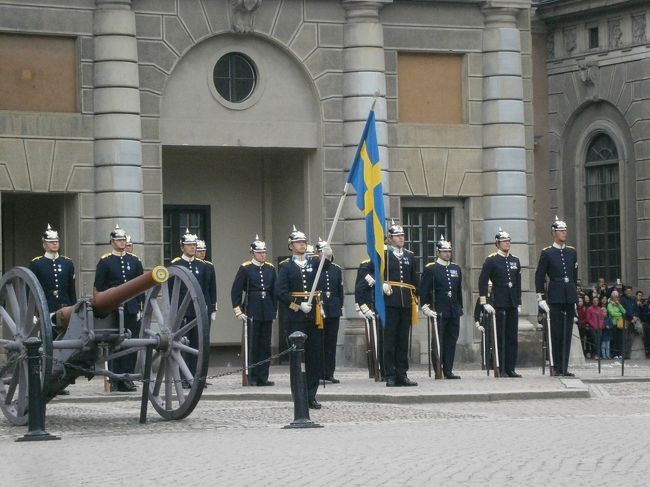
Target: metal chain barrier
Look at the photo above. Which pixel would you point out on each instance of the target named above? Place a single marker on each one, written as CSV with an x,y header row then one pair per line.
x,y
138,378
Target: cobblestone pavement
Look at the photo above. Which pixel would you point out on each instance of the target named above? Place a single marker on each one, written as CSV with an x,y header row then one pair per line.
x,y
594,441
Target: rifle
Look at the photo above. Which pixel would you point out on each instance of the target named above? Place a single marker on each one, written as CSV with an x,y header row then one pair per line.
x,y
495,347
484,365
244,343
549,348
436,355
244,353
429,342
369,352
375,347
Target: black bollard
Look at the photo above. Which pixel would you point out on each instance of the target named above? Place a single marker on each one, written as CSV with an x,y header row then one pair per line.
x,y
298,384
36,405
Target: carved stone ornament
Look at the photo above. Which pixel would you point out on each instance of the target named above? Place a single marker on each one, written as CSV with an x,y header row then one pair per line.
x,y
638,29
590,76
242,14
570,40
615,34
550,45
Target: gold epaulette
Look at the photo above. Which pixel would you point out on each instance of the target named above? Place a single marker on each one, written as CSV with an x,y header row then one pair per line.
x,y
365,261
285,260
207,262
429,264
546,248
37,257
569,247
65,257
175,259
492,254
268,263
513,255
335,265
107,254
248,262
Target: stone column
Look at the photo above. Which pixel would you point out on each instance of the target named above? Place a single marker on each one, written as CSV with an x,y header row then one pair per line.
x,y
363,76
504,146
118,153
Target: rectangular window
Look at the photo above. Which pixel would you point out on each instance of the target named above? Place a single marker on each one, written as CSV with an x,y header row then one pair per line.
x,y
593,38
177,219
603,223
430,88
39,73
423,227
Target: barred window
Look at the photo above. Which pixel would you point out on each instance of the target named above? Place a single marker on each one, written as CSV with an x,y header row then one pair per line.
x,y
423,227
603,210
178,218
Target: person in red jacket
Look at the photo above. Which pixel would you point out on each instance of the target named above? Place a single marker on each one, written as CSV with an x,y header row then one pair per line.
x,y
595,319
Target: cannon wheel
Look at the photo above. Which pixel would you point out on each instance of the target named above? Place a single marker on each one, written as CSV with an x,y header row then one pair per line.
x,y
23,314
165,308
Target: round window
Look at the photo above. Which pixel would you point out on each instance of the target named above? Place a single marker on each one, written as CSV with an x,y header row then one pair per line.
x,y
234,77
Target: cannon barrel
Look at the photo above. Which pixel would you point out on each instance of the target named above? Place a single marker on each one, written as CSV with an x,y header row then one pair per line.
x,y
104,302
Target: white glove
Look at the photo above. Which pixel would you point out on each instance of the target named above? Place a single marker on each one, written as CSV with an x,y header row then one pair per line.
x,y
543,306
327,251
216,306
305,307
488,307
427,311
213,316
388,290
367,312
370,280
138,316
479,327
322,312
519,309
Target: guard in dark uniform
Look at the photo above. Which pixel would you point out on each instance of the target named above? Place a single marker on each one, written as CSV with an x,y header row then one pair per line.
x,y
331,287
558,262
253,301
113,269
504,270
55,273
129,244
211,280
364,297
400,290
200,270
296,276
441,293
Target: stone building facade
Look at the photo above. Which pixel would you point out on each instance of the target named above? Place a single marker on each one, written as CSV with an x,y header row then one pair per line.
x,y
156,135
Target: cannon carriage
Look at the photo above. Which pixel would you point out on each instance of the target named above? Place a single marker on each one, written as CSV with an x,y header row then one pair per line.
x,y
91,332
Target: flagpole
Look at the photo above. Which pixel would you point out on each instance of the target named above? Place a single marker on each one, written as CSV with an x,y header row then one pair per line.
x,y
334,222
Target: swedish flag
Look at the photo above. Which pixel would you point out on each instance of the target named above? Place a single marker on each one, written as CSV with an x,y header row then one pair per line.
x,y
365,176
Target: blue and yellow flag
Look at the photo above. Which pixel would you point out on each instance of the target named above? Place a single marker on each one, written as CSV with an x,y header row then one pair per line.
x,y
365,176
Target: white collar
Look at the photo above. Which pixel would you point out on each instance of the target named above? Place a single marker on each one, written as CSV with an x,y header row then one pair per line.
x,y
442,262
51,255
119,254
398,252
188,259
257,262
558,246
502,253
300,260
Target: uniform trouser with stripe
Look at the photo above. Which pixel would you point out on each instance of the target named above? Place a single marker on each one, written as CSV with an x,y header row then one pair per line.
x,y
259,348
396,342
126,363
448,330
313,352
561,329
507,329
330,336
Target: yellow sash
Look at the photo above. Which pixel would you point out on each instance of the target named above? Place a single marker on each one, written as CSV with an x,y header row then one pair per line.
x,y
414,299
318,321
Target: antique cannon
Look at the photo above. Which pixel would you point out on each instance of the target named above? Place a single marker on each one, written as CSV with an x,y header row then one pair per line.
x,y
91,332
